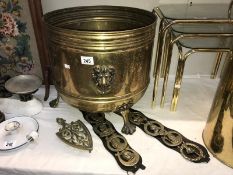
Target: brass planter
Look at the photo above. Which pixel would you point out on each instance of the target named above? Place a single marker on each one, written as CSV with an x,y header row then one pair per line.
x,y
218,132
101,55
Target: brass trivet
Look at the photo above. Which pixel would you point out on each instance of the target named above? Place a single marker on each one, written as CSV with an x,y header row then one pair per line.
x,y
190,150
128,159
75,134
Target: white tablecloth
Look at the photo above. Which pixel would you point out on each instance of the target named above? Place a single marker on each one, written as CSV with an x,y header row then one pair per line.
x,y
49,155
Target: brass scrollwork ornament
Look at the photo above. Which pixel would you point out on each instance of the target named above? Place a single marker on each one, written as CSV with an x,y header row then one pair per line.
x,y
127,158
190,150
75,134
103,76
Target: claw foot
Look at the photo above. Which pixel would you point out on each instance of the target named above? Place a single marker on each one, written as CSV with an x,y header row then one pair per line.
x,y
54,103
128,129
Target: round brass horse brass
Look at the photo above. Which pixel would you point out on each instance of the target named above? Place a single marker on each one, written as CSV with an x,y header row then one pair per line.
x,y
101,55
218,133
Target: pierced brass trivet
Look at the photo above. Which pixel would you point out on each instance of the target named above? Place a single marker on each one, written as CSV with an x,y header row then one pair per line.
x,y
190,150
128,159
75,134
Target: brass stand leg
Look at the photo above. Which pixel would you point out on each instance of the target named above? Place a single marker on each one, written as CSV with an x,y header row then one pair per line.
x,y
47,83
159,46
165,53
167,69
157,65
177,85
216,65
128,128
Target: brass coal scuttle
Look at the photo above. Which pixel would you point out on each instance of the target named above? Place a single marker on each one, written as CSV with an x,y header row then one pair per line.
x,y
101,56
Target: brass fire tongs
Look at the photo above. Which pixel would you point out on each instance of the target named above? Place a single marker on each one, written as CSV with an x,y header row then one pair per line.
x,y
172,139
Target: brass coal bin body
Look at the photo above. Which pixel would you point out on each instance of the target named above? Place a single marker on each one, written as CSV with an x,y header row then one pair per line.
x,y
218,132
101,55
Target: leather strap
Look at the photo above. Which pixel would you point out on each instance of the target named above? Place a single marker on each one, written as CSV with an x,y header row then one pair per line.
x,y
172,139
127,158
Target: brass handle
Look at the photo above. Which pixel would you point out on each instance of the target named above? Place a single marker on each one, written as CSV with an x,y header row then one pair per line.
x,y
103,76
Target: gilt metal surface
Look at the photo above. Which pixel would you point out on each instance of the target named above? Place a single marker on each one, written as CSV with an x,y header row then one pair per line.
x,y
218,132
209,34
75,134
119,37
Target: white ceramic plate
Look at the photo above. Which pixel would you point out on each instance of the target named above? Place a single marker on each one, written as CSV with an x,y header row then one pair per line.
x,y
17,132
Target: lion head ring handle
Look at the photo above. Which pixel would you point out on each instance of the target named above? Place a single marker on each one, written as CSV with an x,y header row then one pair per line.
x,y
103,76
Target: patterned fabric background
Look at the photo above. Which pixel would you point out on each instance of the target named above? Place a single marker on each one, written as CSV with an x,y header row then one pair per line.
x,y
18,50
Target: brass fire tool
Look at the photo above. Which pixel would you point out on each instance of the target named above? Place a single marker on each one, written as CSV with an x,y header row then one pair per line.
x,y
75,134
217,140
128,159
218,132
190,150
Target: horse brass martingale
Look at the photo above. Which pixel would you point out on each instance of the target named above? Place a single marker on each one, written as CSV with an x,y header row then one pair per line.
x,y
190,150
127,158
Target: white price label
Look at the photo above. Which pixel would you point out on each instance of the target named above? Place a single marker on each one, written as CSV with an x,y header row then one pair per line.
x,y
87,60
67,66
9,144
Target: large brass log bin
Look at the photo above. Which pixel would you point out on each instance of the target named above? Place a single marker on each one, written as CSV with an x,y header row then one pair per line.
x,y
218,133
101,56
